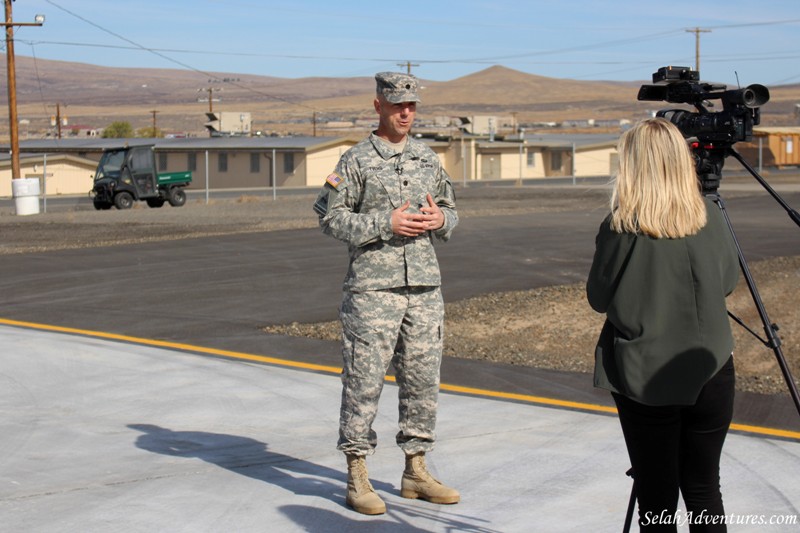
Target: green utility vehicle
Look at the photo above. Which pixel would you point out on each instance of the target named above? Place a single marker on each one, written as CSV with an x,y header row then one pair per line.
x,y
128,174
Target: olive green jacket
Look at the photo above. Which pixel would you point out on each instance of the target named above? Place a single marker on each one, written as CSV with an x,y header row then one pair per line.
x,y
667,331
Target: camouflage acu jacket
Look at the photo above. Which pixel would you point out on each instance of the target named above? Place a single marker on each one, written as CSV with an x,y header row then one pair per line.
x,y
355,205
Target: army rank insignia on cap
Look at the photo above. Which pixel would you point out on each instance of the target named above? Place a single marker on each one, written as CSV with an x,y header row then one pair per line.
x,y
334,180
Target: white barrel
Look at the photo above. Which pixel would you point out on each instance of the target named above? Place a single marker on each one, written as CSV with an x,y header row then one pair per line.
x,y
26,195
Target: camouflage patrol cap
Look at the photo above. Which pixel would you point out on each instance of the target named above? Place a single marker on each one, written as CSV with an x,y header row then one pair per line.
x,y
397,87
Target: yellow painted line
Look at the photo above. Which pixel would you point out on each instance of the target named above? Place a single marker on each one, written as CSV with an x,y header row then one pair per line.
x,y
539,400
770,432
530,399
174,345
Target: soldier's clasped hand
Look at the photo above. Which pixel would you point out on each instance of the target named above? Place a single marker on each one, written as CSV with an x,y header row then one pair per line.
x,y
405,224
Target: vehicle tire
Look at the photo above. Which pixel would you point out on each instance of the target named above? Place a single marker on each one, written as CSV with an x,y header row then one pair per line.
x,y
155,202
177,197
100,205
123,200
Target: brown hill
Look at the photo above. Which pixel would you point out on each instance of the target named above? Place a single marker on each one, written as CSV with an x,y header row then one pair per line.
x,y
501,90
95,96
83,84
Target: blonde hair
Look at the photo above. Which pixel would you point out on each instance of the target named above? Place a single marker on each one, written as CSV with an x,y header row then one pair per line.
x,y
656,191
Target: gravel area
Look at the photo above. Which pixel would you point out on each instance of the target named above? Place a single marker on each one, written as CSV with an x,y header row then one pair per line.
x,y
551,327
554,327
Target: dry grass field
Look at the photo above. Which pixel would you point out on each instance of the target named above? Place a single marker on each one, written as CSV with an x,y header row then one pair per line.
x,y
93,96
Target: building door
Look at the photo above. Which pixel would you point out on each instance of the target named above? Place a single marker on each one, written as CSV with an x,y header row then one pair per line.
x,y
490,167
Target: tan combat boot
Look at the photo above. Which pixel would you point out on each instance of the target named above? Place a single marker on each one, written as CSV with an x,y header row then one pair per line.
x,y
360,494
417,482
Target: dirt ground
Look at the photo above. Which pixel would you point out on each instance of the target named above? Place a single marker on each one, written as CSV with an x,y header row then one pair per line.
x,y
555,328
552,327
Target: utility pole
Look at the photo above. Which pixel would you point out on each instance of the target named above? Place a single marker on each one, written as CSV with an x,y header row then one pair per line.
x,y
13,123
697,32
408,65
154,112
210,91
58,120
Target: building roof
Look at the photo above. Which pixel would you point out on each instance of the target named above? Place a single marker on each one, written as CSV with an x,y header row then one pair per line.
x,y
783,130
205,143
585,141
37,157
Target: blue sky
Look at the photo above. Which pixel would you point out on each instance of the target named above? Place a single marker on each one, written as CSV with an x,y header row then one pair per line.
x,y
571,39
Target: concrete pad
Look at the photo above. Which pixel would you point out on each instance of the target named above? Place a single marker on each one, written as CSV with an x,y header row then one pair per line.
x,y
97,435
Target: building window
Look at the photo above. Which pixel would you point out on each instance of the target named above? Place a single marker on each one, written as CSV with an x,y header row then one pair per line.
x,y
162,161
222,162
288,163
255,163
531,158
191,161
555,160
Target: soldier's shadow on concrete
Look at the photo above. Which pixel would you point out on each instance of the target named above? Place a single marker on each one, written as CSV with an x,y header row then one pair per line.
x,y
248,457
252,458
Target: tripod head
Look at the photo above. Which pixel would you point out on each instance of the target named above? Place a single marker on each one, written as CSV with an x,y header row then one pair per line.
x,y
709,159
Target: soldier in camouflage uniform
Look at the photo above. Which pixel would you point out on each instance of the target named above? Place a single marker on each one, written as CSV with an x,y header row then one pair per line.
x,y
388,198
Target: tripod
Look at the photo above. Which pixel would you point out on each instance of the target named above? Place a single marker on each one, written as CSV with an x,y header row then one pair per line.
x,y
716,158
710,160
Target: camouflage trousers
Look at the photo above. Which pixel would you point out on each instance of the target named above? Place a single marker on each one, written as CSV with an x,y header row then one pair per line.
x,y
403,327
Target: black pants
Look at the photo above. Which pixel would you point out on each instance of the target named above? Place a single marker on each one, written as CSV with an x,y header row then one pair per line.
x,y
679,447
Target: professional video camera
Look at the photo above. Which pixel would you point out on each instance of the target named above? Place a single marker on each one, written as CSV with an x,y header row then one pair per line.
x,y
681,85
716,132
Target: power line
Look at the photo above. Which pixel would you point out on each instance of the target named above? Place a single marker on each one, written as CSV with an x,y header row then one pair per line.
x,y
171,60
38,79
630,40
162,53
214,52
766,56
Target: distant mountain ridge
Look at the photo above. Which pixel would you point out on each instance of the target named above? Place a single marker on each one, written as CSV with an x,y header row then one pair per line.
x,y
103,94
84,84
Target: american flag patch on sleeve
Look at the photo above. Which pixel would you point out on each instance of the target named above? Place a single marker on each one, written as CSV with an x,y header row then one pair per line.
x,y
334,180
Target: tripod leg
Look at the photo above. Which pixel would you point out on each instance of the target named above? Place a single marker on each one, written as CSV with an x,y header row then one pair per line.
x,y
770,329
631,504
